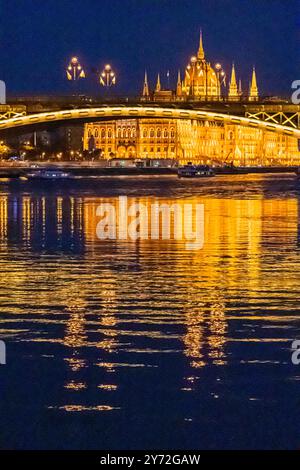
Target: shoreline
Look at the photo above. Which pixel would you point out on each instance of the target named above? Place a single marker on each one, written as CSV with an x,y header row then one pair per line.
x,y
90,170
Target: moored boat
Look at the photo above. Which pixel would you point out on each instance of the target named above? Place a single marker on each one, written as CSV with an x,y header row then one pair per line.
x,y
48,175
195,171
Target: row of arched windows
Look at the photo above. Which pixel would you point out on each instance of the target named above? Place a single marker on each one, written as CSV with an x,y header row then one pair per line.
x,y
127,133
159,133
124,133
101,134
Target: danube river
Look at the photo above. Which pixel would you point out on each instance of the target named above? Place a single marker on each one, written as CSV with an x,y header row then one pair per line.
x,y
147,344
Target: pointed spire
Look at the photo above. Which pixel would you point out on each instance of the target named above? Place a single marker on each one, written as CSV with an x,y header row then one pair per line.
x,y
253,95
240,87
179,85
254,81
146,86
233,77
233,89
158,85
201,54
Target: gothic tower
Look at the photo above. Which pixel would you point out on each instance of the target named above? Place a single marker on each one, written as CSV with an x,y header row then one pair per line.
x,y
233,94
146,94
179,86
158,85
240,88
253,93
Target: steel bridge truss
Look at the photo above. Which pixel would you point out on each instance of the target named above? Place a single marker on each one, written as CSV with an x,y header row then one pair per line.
x,y
9,112
280,117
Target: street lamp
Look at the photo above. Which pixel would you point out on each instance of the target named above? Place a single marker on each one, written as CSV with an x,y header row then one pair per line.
x,y
74,70
221,76
107,77
193,66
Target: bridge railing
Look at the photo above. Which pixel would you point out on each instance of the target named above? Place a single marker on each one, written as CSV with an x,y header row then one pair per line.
x,y
119,99
8,112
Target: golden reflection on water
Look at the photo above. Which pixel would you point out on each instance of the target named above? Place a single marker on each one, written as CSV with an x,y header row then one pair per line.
x,y
116,296
81,408
75,385
108,387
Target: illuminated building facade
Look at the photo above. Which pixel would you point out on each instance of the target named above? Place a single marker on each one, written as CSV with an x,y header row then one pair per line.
x,y
186,140
203,142
133,138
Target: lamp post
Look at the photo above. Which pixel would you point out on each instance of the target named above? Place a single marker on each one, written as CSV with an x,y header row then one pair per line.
x,y
193,62
107,77
221,76
75,70
223,81
218,68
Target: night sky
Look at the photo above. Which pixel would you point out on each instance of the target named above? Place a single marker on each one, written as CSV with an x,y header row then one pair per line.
x,y
38,37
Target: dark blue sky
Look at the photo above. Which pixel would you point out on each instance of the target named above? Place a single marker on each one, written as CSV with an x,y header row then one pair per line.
x,y
37,38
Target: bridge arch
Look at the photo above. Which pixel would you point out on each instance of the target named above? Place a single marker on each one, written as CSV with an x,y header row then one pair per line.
x,y
137,112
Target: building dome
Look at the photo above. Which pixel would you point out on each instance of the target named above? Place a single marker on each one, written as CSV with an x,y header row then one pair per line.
x,y
201,81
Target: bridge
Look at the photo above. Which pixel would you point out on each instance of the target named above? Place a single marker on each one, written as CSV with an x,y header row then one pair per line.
x,y
282,119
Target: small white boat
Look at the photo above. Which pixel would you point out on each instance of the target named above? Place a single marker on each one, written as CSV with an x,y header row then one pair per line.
x,y
195,171
49,175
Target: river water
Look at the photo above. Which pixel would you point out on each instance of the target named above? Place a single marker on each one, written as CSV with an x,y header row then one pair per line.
x,y
147,344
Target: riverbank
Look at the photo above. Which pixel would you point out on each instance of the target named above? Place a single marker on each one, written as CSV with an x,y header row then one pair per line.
x,y
92,169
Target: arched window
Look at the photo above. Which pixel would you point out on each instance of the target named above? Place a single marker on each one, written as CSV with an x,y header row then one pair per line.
x,y
165,133
119,133
109,133
102,133
145,133
96,133
123,132
172,132
158,133
151,132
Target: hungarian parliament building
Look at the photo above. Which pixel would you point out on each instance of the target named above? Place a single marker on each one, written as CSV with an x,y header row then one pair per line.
x,y
202,142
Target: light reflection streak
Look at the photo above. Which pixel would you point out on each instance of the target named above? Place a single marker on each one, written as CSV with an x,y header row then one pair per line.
x,y
81,408
162,299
